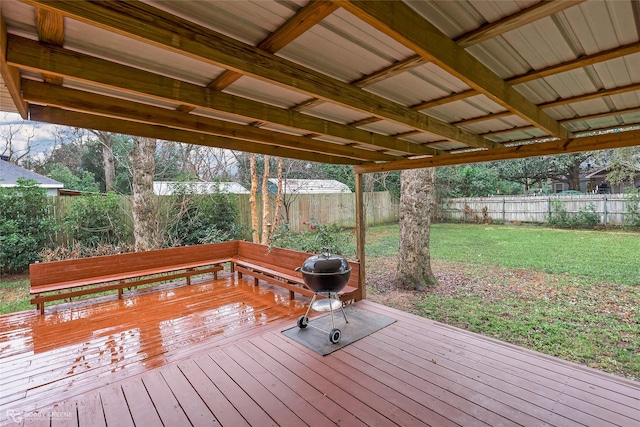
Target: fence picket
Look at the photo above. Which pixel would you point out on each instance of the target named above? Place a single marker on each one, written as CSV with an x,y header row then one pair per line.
x,y
535,209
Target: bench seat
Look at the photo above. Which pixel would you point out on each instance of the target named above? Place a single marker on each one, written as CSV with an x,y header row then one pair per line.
x,y
59,280
127,276
277,266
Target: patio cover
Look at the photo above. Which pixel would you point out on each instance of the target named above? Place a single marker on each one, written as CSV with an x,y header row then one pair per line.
x,y
380,85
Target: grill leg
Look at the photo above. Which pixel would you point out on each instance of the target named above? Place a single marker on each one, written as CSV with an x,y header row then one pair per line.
x,y
310,304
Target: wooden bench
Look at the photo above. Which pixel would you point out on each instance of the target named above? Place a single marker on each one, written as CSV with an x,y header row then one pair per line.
x,y
58,280
277,266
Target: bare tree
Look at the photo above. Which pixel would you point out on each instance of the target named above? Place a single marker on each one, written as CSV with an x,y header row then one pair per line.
x,y
145,221
108,160
416,201
252,199
16,138
278,207
265,202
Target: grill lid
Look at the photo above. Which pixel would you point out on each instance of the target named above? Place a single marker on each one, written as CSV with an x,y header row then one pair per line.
x,y
325,263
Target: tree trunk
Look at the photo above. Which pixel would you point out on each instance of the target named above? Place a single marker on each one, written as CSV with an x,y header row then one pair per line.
x,y
252,199
414,263
265,202
276,214
145,222
573,176
108,160
369,180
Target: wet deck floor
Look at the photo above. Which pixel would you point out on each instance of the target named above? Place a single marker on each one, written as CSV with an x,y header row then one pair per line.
x,y
79,346
212,354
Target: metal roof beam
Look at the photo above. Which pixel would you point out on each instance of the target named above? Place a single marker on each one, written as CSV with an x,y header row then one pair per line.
x,y
580,62
399,21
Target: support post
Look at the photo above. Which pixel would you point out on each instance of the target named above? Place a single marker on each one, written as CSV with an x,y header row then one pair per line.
x,y
360,236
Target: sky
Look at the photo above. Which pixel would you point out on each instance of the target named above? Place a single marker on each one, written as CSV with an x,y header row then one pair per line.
x,y
42,134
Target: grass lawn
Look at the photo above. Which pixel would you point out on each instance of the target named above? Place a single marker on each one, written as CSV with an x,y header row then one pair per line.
x,y
572,294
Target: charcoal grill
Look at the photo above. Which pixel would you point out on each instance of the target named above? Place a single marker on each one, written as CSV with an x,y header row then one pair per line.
x,y
325,274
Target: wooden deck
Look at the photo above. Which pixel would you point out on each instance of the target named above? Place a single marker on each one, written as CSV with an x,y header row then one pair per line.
x,y
212,354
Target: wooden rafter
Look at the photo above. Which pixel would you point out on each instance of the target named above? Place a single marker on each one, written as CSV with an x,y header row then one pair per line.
x,y
399,21
183,37
574,145
10,74
308,16
26,54
593,95
557,103
551,70
483,33
109,124
570,120
525,16
50,28
105,106
574,64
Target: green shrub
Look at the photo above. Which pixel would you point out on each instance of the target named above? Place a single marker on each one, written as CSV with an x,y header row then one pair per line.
x,y
97,219
202,218
558,215
586,217
632,203
313,238
26,225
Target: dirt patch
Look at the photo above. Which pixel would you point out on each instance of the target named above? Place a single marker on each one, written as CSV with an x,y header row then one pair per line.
x,y
381,289
493,284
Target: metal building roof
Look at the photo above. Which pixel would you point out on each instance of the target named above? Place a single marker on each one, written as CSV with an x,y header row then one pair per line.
x,y
168,188
10,173
381,85
309,186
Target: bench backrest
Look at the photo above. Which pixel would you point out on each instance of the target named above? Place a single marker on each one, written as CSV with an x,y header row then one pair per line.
x,y
44,273
285,258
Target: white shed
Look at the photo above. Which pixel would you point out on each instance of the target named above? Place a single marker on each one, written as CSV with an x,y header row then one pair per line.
x,y
309,186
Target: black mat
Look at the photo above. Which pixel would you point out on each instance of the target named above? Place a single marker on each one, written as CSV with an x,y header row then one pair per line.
x,y
316,335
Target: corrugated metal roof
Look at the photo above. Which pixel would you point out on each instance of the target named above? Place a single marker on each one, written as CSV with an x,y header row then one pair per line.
x,y
341,46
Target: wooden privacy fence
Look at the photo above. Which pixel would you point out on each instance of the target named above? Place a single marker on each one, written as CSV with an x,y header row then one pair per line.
x,y
534,209
339,209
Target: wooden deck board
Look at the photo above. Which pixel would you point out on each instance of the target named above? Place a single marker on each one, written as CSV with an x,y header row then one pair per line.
x,y
218,404
142,409
194,407
215,355
515,363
